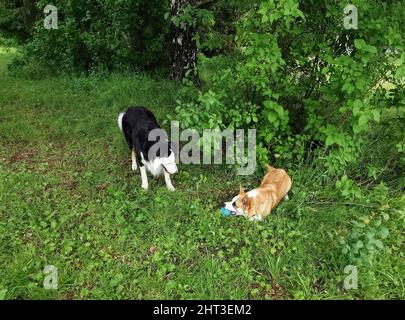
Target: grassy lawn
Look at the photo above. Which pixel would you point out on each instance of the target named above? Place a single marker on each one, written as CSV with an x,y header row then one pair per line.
x,y
68,198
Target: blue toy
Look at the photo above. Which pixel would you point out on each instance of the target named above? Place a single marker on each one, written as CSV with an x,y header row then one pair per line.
x,y
226,213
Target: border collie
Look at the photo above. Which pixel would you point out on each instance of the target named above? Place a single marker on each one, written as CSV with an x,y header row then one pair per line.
x,y
137,124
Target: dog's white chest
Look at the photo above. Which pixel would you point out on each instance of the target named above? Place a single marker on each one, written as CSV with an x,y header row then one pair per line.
x,y
154,168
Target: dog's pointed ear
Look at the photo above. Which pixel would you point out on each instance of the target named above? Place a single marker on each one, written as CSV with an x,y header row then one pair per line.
x,y
241,190
268,167
245,202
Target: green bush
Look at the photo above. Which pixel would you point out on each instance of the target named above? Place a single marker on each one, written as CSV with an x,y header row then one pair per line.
x,y
17,18
102,35
299,76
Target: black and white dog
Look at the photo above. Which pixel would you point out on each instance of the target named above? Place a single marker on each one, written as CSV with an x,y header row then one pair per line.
x,y
138,125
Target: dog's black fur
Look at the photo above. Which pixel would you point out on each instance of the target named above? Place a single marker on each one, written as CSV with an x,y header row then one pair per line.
x,y
137,123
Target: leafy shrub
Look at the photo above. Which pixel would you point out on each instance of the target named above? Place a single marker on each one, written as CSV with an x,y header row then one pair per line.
x,y
300,76
17,18
100,35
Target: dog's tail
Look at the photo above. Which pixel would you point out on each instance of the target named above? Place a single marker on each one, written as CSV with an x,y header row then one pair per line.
x,y
120,117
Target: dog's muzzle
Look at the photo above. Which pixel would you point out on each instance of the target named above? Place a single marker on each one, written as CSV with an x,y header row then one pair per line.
x,y
170,169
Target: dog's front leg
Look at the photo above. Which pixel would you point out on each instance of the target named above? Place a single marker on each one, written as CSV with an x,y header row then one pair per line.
x,y
169,184
256,217
144,178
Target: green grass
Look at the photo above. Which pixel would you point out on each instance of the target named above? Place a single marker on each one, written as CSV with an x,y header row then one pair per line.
x,y
68,198
6,55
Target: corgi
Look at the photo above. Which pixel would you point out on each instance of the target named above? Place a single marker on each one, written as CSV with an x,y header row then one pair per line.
x,y
258,203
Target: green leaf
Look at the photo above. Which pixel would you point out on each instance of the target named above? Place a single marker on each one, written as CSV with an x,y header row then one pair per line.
x,y
384,232
361,83
400,73
379,244
359,244
376,115
271,117
359,43
370,49
363,120
329,141
357,107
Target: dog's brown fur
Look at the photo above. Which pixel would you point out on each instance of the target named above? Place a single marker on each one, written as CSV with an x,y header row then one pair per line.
x,y
259,202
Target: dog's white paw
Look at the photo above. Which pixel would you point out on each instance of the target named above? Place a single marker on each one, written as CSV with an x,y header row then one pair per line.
x,y
171,188
256,218
145,187
134,167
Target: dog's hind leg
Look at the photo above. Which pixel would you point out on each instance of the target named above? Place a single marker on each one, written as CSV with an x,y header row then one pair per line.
x,y
133,156
169,184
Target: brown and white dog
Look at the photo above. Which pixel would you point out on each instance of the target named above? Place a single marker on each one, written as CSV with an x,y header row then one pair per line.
x,y
258,203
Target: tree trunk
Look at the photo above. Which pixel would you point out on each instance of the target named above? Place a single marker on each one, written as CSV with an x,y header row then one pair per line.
x,y
183,47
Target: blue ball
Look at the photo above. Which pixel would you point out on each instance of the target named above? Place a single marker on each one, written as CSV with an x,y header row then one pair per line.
x,y
225,212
